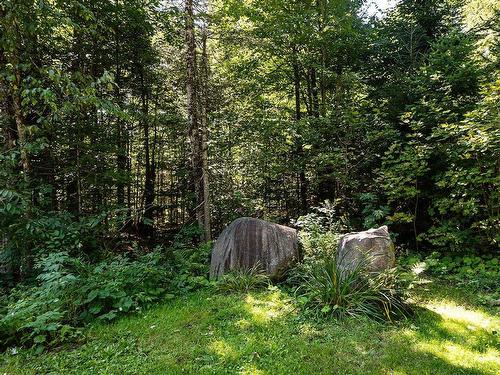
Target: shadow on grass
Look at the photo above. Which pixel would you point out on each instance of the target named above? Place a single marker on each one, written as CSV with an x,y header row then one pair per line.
x,y
439,345
263,333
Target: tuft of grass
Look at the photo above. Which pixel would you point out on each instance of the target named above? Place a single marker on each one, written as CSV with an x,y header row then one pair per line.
x,y
243,280
328,289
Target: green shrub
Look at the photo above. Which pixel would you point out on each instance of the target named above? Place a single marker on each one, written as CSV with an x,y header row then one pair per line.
x,y
243,280
41,315
189,262
476,271
70,293
121,285
316,245
28,240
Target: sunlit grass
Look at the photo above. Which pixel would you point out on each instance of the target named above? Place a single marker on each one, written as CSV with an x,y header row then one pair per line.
x,y
223,349
463,336
268,307
470,317
263,333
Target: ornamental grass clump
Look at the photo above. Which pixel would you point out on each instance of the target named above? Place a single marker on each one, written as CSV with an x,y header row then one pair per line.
x,y
243,280
329,290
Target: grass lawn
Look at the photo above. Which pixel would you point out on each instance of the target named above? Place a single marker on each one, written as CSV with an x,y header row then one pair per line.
x,y
262,333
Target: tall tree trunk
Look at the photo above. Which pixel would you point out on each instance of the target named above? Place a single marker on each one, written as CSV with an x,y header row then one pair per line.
x,y
149,180
13,103
298,116
314,92
321,26
9,271
194,133
21,124
121,154
73,185
204,82
309,101
7,122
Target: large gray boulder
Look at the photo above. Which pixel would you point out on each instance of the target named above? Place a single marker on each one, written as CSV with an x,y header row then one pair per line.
x,y
249,242
373,246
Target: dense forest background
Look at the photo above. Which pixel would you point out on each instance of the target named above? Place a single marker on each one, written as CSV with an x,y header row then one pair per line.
x,y
127,122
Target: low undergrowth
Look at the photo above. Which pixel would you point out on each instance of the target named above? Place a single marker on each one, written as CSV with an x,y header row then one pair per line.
x,y
326,290
329,290
70,292
480,273
243,280
265,333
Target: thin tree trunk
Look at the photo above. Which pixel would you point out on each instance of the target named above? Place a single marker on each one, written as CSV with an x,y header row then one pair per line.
x,y
314,92
9,272
21,125
204,135
149,180
309,101
321,25
129,173
15,101
7,122
194,133
298,116
121,154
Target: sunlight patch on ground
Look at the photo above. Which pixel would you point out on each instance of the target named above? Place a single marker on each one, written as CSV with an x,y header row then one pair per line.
x,y
473,318
251,370
243,324
464,337
310,332
267,308
223,349
461,356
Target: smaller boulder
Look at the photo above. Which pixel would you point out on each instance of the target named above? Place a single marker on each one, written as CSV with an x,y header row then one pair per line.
x,y
374,245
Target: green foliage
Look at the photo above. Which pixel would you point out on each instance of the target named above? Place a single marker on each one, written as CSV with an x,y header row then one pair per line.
x,y
480,272
318,236
116,287
28,239
329,290
189,263
468,206
316,245
390,121
190,267
243,280
70,292
323,218
207,333
41,315
374,215
439,179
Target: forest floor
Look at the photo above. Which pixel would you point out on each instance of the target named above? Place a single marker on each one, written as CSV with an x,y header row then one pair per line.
x,y
262,333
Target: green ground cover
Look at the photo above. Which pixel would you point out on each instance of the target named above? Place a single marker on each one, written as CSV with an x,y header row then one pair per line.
x,y
264,333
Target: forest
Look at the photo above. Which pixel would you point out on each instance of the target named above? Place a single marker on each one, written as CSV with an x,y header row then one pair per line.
x,y
133,132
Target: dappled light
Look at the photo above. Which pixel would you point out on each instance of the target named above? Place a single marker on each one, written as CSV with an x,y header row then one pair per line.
x,y
262,333
467,317
223,349
251,370
264,187
461,336
264,310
